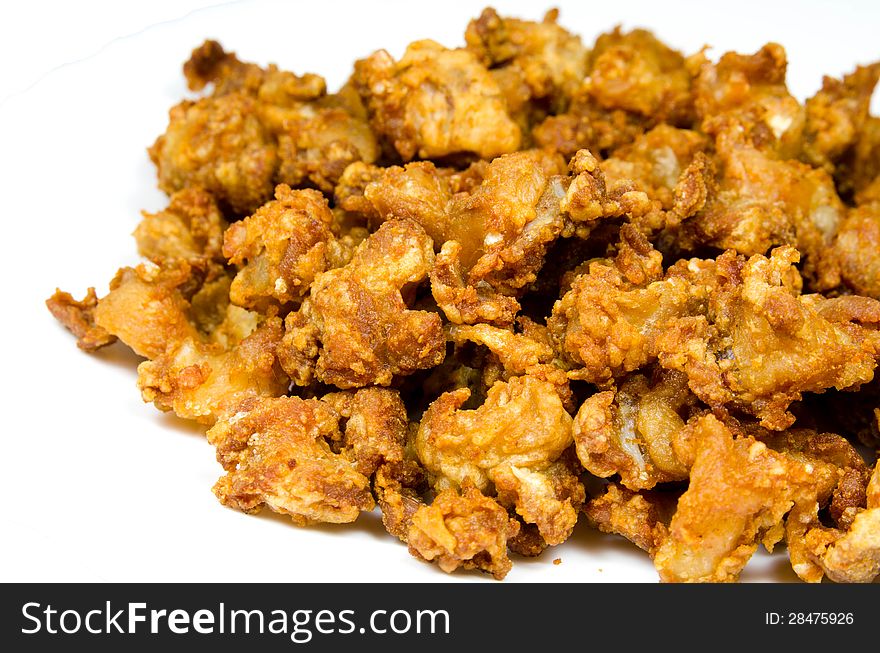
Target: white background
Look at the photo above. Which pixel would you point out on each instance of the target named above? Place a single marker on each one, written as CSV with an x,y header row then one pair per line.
x,y
98,486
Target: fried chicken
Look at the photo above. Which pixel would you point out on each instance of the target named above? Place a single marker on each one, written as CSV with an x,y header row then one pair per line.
x,y
490,288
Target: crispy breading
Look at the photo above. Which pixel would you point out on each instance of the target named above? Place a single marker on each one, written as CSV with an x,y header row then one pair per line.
x,y
79,318
608,323
354,329
747,95
521,423
204,382
277,453
636,72
538,65
762,344
435,102
855,254
513,441
836,114
466,530
260,126
641,517
190,228
738,494
630,432
280,249
146,309
220,144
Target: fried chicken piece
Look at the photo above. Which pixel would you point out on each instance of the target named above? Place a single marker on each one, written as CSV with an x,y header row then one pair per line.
x,y
280,249
636,72
836,115
586,125
399,488
630,432
435,102
356,321
318,135
203,382
211,64
756,201
653,163
738,494
762,344
220,144
79,318
514,441
641,517
747,94
607,324
530,352
467,304
849,554
277,452
531,61
317,146
375,426
521,423
549,499
855,251
146,308
590,198
465,530
190,228
260,126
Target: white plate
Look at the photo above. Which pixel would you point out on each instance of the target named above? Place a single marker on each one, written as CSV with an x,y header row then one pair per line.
x,y
97,485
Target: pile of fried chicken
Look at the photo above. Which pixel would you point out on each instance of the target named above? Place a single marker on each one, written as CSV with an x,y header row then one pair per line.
x,y
498,288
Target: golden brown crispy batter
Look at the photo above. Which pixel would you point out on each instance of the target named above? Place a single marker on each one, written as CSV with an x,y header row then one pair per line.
x,y
539,66
586,125
146,309
762,344
654,162
211,64
190,228
746,95
630,432
355,329
260,126
277,452
738,494
607,324
530,352
205,382
493,237
466,530
855,254
220,144
549,499
521,423
755,201
641,517
635,72
590,198
375,426
79,318
435,102
836,115
513,441
280,249
847,554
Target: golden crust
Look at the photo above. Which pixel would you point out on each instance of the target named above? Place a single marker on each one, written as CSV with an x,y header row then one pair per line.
x,y
355,329
435,102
